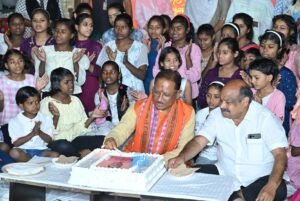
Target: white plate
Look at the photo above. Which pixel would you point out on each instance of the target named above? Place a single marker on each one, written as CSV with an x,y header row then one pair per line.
x,y
188,176
63,165
23,169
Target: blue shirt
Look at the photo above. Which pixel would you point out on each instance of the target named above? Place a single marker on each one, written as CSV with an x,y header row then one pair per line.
x,y
288,85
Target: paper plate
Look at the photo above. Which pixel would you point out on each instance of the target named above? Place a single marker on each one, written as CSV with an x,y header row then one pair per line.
x,y
63,165
23,169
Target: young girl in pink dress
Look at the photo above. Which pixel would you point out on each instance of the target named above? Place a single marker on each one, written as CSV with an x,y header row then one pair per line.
x,y
10,84
264,73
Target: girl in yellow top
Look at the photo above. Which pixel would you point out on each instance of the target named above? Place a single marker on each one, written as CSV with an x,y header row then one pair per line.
x,y
69,118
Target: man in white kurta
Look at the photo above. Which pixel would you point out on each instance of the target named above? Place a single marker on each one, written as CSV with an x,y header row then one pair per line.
x,y
251,145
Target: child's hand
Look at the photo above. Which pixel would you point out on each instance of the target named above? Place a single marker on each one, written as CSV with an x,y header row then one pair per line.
x,y
53,109
39,53
37,128
41,82
111,54
189,49
91,56
8,42
125,58
161,42
246,78
137,95
276,82
78,55
124,104
98,113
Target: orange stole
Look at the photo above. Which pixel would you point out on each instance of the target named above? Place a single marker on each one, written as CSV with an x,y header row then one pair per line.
x,y
177,117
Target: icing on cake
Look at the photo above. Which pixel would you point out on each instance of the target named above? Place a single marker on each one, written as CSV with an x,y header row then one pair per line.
x,y
118,170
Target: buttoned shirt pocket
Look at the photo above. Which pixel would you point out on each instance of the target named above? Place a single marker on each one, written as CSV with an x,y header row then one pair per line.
x,y
255,150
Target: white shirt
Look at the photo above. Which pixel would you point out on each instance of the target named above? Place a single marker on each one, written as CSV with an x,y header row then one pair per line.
x,y
56,59
209,152
21,126
3,45
137,56
239,154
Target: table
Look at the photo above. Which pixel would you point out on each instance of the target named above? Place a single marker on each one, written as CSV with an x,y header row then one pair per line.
x,y
195,187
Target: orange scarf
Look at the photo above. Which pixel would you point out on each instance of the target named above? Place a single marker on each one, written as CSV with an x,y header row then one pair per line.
x,y
158,133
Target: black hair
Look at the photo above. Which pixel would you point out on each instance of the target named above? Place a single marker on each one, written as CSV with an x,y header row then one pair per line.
x,y
248,21
206,29
13,16
253,51
12,52
157,18
125,18
265,66
170,75
216,85
291,24
46,15
234,27
233,45
82,17
26,92
277,38
115,66
69,24
117,6
167,22
165,52
185,21
81,7
56,77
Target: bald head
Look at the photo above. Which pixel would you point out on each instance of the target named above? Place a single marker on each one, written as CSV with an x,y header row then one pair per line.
x,y
236,97
238,89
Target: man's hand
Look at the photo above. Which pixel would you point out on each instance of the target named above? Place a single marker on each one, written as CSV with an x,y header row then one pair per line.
x,y
110,143
267,193
175,162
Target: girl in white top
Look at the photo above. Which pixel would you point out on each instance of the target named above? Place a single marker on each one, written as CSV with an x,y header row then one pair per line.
x,y
62,54
30,130
130,55
213,97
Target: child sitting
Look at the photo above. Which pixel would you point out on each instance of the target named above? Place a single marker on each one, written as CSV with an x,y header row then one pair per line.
x,y
30,130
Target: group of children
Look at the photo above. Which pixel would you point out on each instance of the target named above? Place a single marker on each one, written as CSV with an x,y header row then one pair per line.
x,y
62,92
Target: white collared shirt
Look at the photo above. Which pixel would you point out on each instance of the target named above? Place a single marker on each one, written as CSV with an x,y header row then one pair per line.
x,y
21,126
239,154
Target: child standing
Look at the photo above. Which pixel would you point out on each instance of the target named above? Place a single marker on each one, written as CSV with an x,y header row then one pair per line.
x,y
206,39
264,73
182,34
30,130
169,58
213,99
272,46
13,38
48,58
156,29
10,84
228,53
111,98
84,27
245,23
286,25
129,54
42,32
69,118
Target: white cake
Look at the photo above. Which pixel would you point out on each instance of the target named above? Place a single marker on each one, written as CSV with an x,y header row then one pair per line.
x,y
118,170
